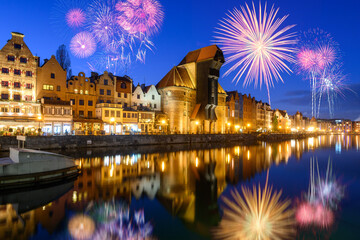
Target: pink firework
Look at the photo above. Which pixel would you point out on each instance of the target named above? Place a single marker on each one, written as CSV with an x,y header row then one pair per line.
x,y
75,17
307,59
325,56
140,16
323,217
83,45
304,214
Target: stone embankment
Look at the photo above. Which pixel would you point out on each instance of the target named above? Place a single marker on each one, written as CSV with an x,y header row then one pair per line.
x,y
72,142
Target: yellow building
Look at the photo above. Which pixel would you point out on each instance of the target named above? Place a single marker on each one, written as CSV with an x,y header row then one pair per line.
x,y
130,121
82,95
51,89
191,95
111,116
19,112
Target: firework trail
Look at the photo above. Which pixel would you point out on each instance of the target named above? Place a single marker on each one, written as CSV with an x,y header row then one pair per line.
x,y
256,44
317,53
258,214
83,45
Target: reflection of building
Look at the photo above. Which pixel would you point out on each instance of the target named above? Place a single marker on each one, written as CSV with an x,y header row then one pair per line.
x,y
191,95
18,109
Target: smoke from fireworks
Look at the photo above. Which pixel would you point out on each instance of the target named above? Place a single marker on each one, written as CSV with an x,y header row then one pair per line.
x,y
140,16
256,45
83,45
258,214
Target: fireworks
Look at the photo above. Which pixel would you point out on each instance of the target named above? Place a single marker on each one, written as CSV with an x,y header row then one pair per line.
x,y
140,16
259,214
323,197
81,227
75,17
83,45
317,55
256,45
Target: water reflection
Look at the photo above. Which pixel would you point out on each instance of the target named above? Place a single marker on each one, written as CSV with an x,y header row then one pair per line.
x,y
186,181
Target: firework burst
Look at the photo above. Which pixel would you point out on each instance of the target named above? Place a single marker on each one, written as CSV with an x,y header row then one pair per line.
x,y
140,16
83,45
259,214
75,17
256,45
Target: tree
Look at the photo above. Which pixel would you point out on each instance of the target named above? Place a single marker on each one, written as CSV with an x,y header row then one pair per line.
x,y
63,57
275,123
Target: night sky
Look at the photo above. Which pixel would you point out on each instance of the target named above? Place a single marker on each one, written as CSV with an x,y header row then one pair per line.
x,y
189,25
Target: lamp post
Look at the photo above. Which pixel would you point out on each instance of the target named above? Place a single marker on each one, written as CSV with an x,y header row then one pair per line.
x,y
248,125
229,124
197,127
39,129
163,125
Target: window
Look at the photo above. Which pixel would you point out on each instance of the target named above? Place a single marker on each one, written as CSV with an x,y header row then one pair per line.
x,y
28,86
108,101
23,60
138,96
28,98
106,113
81,92
155,105
4,109
125,104
128,115
125,95
90,103
52,75
101,91
16,110
48,87
90,114
72,101
58,111
17,46
5,70
76,91
153,97
101,101
28,73
81,113
124,115
81,102
70,83
119,94
17,72
17,85
11,58
108,92
123,85
86,92
117,114
4,83
106,82
112,113
4,96
58,88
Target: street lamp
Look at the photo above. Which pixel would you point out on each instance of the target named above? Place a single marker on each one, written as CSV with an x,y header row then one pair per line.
x,y
39,129
112,121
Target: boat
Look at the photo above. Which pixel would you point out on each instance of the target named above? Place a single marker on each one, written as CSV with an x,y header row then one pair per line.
x,y
27,167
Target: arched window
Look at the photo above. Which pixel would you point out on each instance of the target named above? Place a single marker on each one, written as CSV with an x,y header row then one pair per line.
x,y
123,85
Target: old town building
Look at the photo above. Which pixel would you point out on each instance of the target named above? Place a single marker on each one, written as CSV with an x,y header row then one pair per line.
x,y
124,90
191,95
19,111
233,116
146,96
248,113
50,91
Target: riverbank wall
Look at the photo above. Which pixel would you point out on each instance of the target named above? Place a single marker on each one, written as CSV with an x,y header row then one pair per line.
x,y
73,142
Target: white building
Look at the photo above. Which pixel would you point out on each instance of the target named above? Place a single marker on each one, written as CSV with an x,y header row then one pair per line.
x,y
146,96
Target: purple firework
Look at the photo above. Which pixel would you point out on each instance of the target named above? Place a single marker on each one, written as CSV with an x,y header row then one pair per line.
x,y
83,45
75,17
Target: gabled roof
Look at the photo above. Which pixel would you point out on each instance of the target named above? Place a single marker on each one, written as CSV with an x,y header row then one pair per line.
x,y
178,76
205,53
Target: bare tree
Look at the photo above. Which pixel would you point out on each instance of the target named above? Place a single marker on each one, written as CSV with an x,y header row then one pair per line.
x,y
63,57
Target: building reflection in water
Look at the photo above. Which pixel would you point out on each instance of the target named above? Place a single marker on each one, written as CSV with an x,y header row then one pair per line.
x,y
187,183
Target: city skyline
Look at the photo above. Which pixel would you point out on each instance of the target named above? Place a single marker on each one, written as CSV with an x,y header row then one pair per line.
x,y
292,95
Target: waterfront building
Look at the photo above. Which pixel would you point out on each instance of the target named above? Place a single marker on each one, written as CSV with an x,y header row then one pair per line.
x,y
105,87
50,90
356,127
284,122
124,90
297,121
81,92
111,116
146,96
233,116
248,113
342,125
191,95
19,111
260,116
130,121
146,120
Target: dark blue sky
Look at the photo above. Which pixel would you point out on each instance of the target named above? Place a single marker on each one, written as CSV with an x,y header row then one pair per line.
x,y
189,25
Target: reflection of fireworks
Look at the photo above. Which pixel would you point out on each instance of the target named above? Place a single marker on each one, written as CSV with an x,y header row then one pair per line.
x,y
83,45
259,214
256,45
140,16
81,227
75,17
308,214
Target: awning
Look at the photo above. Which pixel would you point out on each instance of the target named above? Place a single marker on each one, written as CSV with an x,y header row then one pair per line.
x,y
195,111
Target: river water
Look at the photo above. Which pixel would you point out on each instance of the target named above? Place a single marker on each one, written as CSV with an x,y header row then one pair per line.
x,y
185,192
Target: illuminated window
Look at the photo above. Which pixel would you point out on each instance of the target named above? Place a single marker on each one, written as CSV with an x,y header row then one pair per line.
x,y
75,90
86,92
81,92
48,87
16,110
